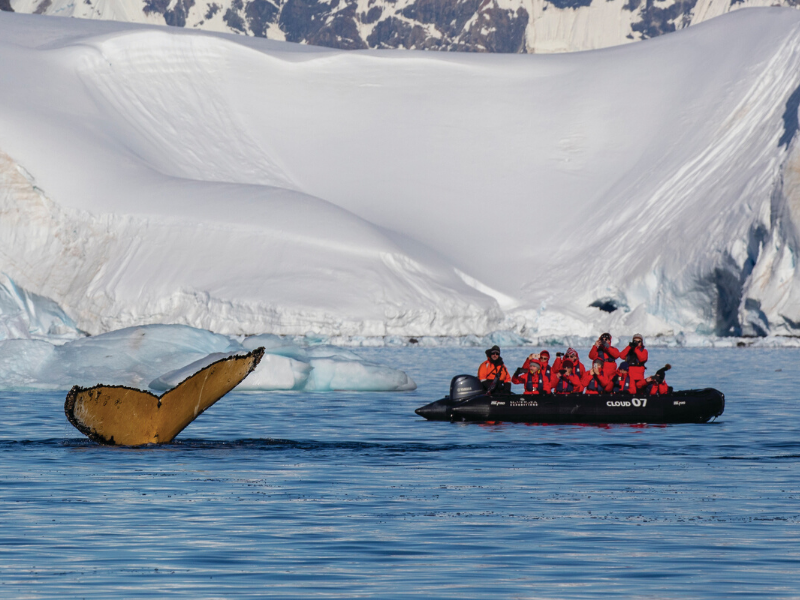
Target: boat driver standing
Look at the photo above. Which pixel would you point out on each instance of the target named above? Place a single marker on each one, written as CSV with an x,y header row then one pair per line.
x,y
492,370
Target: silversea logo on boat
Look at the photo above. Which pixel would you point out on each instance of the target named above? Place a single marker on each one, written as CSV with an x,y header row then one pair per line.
x,y
638,402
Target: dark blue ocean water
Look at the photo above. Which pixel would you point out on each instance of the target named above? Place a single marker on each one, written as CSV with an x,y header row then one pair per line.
x,y
346,495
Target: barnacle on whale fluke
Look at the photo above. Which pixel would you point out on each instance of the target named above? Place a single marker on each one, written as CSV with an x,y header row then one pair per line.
x,y
125,416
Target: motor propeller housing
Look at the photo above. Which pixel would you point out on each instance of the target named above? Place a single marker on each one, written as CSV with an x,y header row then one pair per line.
x,y
464,387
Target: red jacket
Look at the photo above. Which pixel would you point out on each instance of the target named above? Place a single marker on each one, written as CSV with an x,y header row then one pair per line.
x,y
636,358
542,363
540,385
489,371
596,384
609,356
577,367
653,388
566,385
625,384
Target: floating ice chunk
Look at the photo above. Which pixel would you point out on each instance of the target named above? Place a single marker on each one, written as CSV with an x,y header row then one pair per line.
x,y
327,351
161,356
337,375
276,372
20,362
268,341
274,344
133,357
167,381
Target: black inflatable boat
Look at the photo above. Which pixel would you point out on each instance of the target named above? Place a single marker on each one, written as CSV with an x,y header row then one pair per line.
x,y
468,401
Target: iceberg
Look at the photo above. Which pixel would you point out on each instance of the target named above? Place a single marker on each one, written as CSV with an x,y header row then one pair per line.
x,y
152,175
159,357
24,315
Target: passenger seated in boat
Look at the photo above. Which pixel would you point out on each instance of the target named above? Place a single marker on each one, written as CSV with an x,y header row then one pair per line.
x,y
655,384
493,369
595,381
622,382
532,379
603,350
572,355
543,359
564,381
635,354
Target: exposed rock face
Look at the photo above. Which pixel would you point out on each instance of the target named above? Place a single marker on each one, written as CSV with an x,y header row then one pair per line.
x,y
460,25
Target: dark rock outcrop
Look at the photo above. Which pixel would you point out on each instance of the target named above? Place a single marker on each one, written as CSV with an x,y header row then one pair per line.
x,y
450,25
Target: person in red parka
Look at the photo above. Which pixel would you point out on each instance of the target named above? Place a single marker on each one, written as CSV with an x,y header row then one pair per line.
x,y
543,358
635,354
655,384
564,381
622,382
604,351
595,381
577,365
532,379
493,368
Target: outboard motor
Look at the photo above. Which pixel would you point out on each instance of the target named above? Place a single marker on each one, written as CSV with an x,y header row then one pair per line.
x,y
464,387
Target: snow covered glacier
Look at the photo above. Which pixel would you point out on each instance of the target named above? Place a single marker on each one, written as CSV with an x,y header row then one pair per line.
x,y
248,186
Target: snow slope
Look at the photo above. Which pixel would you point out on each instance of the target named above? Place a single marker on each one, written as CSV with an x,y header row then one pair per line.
x,y
535,26
246,186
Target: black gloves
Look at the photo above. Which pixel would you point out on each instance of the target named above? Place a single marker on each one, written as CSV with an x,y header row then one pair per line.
x,y
518,372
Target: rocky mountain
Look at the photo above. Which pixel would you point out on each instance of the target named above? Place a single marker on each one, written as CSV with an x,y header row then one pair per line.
x,y
534,26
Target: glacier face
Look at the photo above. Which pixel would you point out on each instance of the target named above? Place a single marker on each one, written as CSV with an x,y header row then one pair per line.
x,y
536,26
244,186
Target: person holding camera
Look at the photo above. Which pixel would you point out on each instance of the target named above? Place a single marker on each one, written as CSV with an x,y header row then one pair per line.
x,y
655,384
572,356
493,373
603,350
543,358
564,381
635,354
595,381
533,380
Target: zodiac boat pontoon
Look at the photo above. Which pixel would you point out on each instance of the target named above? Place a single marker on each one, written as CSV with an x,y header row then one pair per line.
x,y
469,401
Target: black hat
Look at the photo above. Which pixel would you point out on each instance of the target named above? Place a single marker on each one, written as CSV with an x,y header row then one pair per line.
x,y
493,349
